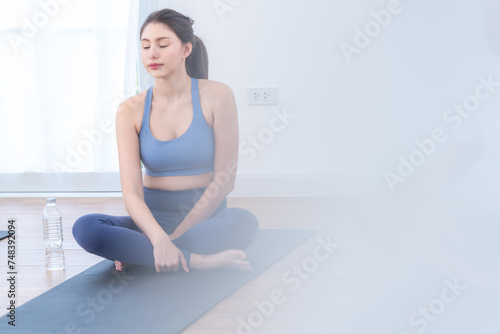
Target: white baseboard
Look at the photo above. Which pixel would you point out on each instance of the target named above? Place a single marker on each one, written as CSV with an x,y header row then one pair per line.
x,y
248,184
59,182
291,184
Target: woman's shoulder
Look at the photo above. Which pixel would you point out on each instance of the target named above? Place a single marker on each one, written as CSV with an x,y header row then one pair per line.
x,y
217,98
133,103
132,109
214,90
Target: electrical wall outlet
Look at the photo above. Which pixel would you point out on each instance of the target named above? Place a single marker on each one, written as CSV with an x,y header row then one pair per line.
x,y
262,95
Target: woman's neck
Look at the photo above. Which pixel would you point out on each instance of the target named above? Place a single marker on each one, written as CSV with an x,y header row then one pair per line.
x,y
173,87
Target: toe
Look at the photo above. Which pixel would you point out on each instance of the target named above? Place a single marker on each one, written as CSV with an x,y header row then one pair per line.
x,y
240,254
246,267
119,265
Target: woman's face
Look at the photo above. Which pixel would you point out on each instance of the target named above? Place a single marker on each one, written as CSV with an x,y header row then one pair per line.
x,y
162,52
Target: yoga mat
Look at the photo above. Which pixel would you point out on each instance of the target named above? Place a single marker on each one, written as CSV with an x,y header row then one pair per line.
x,y
4,234
139,300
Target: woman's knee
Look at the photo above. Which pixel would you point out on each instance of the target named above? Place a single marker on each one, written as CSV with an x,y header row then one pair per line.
x,y
251,220
86,231
245,220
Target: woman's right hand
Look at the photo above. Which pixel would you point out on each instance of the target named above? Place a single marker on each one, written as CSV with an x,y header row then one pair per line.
x,y
167,256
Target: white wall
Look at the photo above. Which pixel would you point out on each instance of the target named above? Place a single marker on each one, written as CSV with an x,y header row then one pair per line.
x,y
354,119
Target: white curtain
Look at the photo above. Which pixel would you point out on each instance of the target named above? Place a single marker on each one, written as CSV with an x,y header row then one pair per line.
x,y
62,68
63,73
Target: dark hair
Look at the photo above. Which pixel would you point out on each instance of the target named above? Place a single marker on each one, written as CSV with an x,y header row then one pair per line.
x,y
197,61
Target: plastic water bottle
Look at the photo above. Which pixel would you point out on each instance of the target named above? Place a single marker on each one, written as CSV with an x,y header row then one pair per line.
x,y
53,236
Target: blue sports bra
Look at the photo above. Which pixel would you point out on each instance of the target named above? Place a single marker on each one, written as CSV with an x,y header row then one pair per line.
x,y
191,153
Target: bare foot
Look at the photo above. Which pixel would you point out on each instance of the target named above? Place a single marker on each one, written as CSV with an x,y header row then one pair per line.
x,y
228,259
119,265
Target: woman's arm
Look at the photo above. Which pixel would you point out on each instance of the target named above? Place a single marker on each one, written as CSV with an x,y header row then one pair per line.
x,y
133,193
226,136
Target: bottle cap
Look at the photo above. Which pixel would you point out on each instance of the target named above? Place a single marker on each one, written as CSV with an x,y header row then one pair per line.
x,y
51,200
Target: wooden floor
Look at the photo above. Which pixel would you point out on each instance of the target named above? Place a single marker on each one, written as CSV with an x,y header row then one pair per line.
x,y
315,213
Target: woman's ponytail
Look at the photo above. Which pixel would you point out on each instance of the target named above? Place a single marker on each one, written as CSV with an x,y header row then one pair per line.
x,y
197,62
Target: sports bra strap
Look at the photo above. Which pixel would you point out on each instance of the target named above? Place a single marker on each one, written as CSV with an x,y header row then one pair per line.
x,y
147,109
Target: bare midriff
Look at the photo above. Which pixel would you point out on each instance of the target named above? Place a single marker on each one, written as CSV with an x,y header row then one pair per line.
x,y
180,182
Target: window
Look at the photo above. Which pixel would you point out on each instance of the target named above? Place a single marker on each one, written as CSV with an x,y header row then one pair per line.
x,y
62,66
